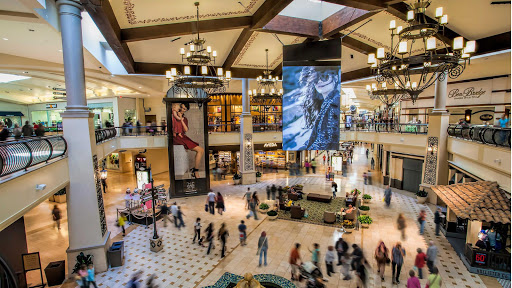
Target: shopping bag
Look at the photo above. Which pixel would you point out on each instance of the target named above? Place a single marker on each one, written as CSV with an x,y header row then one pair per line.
x,y
205,207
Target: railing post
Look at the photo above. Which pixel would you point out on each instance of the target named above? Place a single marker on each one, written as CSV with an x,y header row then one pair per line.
x,y
31,156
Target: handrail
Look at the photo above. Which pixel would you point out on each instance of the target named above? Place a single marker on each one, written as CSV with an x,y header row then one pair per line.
x,y
409,128
20,155
480,133
105,134
257,127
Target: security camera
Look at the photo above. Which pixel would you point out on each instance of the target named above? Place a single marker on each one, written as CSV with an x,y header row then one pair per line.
x,y
40,187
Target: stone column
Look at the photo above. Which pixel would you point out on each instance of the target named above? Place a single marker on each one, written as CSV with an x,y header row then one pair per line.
x,y
435,169
87,225
246,139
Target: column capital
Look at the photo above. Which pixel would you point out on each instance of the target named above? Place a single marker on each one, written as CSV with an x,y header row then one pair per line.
x,y
61,4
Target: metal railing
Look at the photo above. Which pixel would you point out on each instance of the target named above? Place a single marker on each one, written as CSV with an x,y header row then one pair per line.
x,y
20,155
480,133
256,127
497,260
141,130
105,134
386,127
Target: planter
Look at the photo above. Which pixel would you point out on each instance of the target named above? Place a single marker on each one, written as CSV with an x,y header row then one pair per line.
x,y
421,200
366,201
272,217
264,211
365,225
236,181
348,230
258,179
60,198
364,212
55,273
52,198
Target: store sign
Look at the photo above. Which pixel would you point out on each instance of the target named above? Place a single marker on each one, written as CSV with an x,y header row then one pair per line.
x,y
468,93
50,106
481,258
270,145
486,117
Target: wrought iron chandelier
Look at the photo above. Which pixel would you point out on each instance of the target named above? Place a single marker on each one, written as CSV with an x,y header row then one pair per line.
x,y
267,88
413,68
200,72
388,97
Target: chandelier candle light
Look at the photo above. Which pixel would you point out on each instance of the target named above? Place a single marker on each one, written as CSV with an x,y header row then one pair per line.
x,y
415,62
387,96
267,89
204,75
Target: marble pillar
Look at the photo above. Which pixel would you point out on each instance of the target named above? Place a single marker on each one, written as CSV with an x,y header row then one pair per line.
x,y
87,225
246,138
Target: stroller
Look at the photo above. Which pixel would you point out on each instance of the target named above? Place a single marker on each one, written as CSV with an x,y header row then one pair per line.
x,y
312,274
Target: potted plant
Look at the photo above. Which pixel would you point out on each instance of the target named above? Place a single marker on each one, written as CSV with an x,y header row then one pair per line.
x,y
365,220
81,259
367,198
348,226
258,176
60,196
237,178
52,198
264,208
364,210
272,215
421,196
355,190
298,187
286,189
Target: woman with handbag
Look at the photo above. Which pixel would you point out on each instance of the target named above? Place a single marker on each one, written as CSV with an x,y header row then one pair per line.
x,y
434,279
397,255
262,247
382,258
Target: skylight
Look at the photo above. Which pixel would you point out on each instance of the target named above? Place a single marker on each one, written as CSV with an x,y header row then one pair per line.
x,y
4,78
349,92
315,10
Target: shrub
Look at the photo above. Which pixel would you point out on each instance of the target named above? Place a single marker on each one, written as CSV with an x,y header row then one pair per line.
x,y
365,219
61,192
272,213
348,224
422,193
81,259
367,196
354,190
237,176
364,208
298,186
264,206
258,174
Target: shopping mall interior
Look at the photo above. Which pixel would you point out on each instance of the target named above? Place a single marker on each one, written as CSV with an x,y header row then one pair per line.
x,y
255,143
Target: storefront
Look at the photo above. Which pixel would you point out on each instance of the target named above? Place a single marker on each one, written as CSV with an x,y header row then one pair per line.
x,y
10,118
49,114
476,222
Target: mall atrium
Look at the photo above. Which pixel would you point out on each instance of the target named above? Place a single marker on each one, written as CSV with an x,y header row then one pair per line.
x,y
255,143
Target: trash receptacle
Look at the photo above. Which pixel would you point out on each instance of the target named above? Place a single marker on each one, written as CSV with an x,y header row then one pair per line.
x,y
116,254
55,273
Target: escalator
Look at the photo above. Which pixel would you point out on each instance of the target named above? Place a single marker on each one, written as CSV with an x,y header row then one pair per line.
x,y
7,278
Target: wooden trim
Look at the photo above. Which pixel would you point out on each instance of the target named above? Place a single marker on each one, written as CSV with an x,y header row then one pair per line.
x,y
267,11
237,48
292,26
455,106
361,4
357,45
405,155
503,90
478,79
458,168
17,14
184,28
160,68
343,19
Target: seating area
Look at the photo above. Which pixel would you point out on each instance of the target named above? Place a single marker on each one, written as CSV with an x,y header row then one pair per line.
x,y
319,197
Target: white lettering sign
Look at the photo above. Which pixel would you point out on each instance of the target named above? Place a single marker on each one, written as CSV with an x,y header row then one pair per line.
x,y
468,93
269,145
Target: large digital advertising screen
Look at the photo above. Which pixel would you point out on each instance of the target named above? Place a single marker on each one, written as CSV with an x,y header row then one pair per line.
x,y
311,107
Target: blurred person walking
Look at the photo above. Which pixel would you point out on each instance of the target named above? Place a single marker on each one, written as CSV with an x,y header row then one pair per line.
x,y
120,223
247,197
419,262
174,212
40,130
150,282
90,276
180,215
4,132
220,203
341,249
56,215
222,236
387,195
306,165
210,200
382,258
401,225
431,255
413,281
252,206
242,229
273,191
262,248
83,276
397,255
268,192
209,237
134,281
434,279
329,260
422,220
437,220
197,230
295,261
313,165
164,210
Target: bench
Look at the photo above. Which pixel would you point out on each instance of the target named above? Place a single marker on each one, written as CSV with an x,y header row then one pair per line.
x,y
319,197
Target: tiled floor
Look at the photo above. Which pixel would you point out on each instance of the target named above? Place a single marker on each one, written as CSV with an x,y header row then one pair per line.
x,y
183,264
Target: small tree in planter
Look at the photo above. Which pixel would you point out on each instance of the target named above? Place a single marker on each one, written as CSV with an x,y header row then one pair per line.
x,y
272,215
365,220
367,198
264,207
81,259
236,178
258,176
348,226
364,210
421,196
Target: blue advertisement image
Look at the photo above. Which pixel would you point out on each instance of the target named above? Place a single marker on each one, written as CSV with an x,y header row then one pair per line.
x,y
311,107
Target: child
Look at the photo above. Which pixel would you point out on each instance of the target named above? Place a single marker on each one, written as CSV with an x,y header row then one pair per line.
x,y
82,277
413,282
419,262
90,276
197,231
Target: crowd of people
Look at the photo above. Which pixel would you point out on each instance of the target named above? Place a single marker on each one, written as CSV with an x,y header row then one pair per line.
x,y
28,130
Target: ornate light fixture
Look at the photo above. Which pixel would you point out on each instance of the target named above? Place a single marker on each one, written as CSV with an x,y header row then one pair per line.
x,y
200,72
267,89
388,97
416,67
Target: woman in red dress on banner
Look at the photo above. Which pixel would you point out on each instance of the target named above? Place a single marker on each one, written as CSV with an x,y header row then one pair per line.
x,y
180,127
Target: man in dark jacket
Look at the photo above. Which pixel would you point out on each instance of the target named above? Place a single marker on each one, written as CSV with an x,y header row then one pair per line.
x,y
341,248
4,132
437,220
27,130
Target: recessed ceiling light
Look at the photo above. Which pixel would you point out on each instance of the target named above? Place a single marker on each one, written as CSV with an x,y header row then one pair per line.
x,y
140,87
5,39
60,50
4,78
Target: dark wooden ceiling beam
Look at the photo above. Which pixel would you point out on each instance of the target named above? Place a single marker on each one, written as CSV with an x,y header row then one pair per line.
x,y
104,17
267,11
237,48
160,68
185,28
357,45
292,26
494,43
343,19
369,5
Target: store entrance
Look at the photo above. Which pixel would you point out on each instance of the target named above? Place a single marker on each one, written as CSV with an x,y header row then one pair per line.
x,y
412,169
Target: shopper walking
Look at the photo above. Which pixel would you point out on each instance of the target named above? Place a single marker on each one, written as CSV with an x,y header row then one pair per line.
x,y
247,197
220,203
40,130
174,212
334,188
134,281
401,225
83,276
273,190
387,195
268,192
90,276
315,255
382,258
56,215
413,281
431,255
252,207
369,177
422,220
357,256
197,230
120,222
27,130
373,163
222,236
306,165
419,262
295,261
365,178
341,249
329,260
313,166
437,220
209,237
367,153
262,248
164,210
434,279
180,218
242,230
397,255
210,200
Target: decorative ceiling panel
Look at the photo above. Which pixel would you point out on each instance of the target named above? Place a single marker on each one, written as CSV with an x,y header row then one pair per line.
x,y
138,13
253,53
162,50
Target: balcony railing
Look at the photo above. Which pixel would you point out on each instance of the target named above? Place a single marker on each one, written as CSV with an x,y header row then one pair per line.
x,y
386,127
496,260
256,127
105,134
20,155
480,133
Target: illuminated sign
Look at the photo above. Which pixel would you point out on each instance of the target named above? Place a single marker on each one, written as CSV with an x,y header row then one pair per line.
x,y
480,258
49,106
269,145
